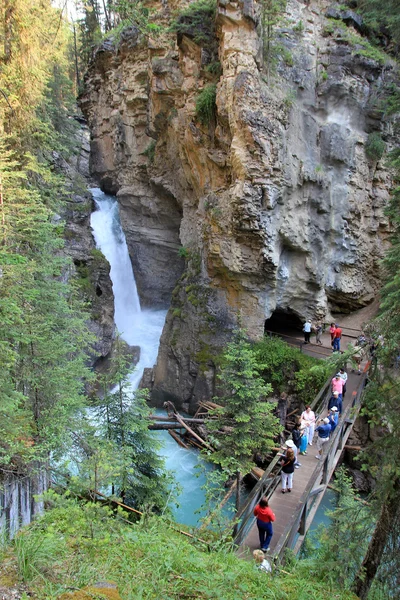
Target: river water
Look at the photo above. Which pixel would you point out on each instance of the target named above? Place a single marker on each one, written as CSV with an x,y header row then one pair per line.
x,y
143,328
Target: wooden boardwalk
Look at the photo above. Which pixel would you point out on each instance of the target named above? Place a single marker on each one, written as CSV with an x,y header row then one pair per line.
x,y
285,505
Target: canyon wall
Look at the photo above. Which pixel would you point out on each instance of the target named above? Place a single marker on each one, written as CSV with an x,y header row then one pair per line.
x,y
271,207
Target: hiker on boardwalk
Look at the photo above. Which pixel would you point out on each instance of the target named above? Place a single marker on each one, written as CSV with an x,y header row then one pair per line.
x,y
265,517
332,330
337,385
333,417
324,432
318,333
261,562
307,331
337,338
287,463
296,435
357,358
308,416
335,400
304,437
344,376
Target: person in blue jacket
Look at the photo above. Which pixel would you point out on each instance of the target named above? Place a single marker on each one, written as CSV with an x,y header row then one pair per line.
x,y
333,417
324,432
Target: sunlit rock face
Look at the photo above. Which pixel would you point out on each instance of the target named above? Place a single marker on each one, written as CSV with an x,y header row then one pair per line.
x,y
274,204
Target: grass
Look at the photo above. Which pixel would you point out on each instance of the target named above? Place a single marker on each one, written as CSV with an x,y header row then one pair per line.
x,y
146,560
206,107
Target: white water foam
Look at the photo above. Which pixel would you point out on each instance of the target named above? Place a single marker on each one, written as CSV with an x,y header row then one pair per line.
x,y
136,327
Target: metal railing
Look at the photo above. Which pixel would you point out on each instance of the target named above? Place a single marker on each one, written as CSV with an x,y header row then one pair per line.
x,y
303,514
268,483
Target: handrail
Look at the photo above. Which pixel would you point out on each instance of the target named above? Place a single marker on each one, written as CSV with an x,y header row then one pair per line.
x,y
264,487
322,471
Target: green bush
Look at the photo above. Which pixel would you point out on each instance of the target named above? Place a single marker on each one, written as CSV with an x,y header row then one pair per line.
x,y
197,21
375,146
149,559
150,151
206,107
286,367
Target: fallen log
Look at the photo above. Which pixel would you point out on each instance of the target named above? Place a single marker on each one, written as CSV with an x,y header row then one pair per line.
x,y
356,448
192,433
173,420
164,426
178,439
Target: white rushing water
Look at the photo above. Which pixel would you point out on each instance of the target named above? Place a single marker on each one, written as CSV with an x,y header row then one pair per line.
x,y
143,328
136,327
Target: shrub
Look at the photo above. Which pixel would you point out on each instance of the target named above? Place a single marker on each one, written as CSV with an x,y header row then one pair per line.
x,y
197,21
150,151
206,107
375,146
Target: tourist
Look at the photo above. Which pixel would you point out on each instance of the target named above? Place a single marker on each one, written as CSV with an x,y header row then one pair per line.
x,y
337,338
265,517
337,385
357,358
324,432
333,418
261,562
287,463
304,438
336,400
296,435
308,416
307,331
290,444
344,376
318,333
332,330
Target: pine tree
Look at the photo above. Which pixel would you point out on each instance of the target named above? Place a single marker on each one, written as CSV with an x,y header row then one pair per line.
x,y
246,422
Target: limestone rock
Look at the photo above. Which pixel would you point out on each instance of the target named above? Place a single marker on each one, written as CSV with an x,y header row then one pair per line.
x,y
274,204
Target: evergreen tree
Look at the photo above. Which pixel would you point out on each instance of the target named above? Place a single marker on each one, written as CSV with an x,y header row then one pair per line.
x,y
122,418
246,422
271,13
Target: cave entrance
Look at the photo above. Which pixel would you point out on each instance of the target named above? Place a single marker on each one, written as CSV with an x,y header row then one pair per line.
x,y
284,322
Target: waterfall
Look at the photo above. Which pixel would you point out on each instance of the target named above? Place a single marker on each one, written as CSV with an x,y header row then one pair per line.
x,y
143,328
136,327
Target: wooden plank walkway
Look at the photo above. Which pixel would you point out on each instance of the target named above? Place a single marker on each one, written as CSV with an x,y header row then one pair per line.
x,y
284,505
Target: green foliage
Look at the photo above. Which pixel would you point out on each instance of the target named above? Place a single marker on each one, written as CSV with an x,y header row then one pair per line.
x,y
342,544
382,16
246,422
214,68
184,252
197,21
121,452
271,14
375,146
285,366
299,27
206,107
149,560
150,151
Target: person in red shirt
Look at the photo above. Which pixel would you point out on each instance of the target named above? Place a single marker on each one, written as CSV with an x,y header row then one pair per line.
x,y
265,517
332,330
337,338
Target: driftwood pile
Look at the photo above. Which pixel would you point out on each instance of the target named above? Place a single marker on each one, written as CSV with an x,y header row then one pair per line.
x,y
186,431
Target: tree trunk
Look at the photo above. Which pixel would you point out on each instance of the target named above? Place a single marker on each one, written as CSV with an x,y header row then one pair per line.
x,y
377,544
238,480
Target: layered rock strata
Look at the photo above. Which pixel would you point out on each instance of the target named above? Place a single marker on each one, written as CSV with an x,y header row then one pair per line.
x,y
275,204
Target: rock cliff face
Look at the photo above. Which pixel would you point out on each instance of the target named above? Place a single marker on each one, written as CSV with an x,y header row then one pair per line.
x,y
275,203
92,269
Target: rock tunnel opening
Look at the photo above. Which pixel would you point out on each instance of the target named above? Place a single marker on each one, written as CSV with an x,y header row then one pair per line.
x,y
285,322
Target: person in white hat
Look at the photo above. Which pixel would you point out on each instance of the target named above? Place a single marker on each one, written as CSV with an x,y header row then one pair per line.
x,y
324,432
291,444
333,418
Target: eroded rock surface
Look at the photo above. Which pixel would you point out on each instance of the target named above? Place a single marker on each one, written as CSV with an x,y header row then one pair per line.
x,y
275,203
